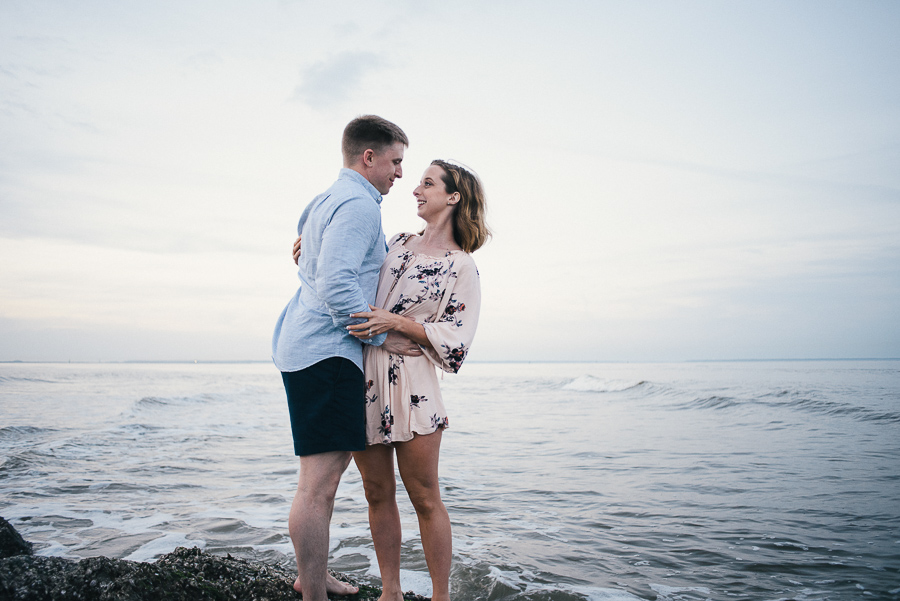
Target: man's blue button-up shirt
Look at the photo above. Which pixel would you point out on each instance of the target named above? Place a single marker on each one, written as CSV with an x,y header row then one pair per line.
x,y
343,248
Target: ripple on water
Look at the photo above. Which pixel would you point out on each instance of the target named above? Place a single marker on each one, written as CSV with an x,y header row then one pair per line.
x,y
13,433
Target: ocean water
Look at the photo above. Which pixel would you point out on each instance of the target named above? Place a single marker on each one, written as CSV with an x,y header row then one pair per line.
x,y
576,481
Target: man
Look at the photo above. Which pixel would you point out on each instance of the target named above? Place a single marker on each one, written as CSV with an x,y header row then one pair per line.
x,y
321,363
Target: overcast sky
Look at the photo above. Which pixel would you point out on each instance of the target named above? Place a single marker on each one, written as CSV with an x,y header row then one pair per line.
x,y
666,180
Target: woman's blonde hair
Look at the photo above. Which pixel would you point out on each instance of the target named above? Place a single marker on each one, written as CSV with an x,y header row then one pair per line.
x,y
470,230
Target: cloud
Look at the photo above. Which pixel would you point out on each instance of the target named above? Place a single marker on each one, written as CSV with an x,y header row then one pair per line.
x,y
204,60
332,81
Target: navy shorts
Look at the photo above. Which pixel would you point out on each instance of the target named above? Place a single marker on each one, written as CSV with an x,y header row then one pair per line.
x,y
327,403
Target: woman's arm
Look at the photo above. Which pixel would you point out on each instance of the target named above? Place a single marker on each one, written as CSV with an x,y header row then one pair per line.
x,y
397,344
379,320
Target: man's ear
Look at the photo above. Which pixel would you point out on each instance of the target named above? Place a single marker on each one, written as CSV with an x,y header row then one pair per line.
x,y
369,157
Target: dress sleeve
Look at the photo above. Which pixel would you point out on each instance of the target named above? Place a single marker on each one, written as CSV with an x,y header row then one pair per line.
x,y
453,330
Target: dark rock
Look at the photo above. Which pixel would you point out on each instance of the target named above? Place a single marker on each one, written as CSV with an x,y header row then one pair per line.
x,y
182,575
11,542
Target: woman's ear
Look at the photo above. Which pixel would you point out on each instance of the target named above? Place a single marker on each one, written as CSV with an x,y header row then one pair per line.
x,y
454,198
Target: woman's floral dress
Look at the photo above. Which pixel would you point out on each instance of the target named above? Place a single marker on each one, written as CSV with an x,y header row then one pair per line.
x,y
444,295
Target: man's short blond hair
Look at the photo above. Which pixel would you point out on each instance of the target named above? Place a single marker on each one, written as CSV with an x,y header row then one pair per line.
x,y
369,131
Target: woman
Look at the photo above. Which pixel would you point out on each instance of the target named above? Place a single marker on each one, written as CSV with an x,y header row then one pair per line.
x,y
429,292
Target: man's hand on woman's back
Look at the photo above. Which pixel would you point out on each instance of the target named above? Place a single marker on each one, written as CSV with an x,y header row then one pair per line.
x,y
297,250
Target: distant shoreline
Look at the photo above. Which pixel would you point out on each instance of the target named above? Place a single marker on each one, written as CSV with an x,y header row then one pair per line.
x,y
509,362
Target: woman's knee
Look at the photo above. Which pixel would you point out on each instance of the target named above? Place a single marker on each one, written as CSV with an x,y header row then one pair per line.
x,y
380,491
426,499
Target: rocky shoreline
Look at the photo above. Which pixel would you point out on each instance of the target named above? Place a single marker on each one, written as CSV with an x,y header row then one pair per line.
x,y
184,574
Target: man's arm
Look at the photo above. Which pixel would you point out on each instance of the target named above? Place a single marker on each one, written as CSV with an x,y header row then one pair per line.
x,y
353,229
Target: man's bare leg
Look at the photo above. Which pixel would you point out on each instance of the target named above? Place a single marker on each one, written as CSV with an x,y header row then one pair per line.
x,y
310,520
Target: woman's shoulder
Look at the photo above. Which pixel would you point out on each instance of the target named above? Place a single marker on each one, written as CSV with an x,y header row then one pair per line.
x,y
464,262
400,238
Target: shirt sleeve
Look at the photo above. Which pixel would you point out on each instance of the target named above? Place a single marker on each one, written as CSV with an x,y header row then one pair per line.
x,y
353,229
451,334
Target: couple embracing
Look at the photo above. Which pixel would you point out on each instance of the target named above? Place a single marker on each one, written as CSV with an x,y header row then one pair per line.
x,y
358,344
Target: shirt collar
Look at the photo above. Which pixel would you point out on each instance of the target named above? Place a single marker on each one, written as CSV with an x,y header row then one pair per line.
x,y
358,178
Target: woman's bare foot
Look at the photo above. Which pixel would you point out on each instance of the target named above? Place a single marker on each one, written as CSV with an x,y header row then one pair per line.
x,y
391,593
333,586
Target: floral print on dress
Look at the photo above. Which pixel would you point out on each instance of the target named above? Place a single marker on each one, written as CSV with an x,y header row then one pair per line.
x,y
370,398
453,311
444,295
387,423
394,363
402,303
405,257
455,356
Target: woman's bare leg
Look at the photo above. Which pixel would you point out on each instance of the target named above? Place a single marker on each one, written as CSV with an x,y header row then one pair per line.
x,y
418,463
376,466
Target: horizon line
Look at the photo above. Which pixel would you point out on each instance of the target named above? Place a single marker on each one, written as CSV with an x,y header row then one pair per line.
x,y
243,361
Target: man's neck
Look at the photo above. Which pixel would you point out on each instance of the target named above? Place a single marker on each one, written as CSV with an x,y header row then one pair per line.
x,y
359,169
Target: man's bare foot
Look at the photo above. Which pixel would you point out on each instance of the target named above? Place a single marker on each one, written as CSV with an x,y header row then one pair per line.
x,y
333,586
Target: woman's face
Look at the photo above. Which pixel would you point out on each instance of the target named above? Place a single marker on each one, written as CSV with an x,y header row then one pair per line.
x,y
431,194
